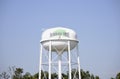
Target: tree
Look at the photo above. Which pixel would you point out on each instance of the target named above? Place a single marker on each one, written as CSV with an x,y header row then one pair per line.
x,y
92,77
4,75
97,77
87,75
18,73
27,76
36,76
118,76
83,74
54,75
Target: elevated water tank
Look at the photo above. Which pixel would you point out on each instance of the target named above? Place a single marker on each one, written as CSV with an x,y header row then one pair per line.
x,y
59,38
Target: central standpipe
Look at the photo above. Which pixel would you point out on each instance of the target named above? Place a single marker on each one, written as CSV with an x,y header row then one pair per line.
x,y
69,62
59,67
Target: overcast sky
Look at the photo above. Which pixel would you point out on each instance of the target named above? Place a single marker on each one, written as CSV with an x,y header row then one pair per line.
x,y
96,22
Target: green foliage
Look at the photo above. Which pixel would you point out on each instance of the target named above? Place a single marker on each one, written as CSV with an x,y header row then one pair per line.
x,y
17,73
118,76
87,75
35,76
27,76
4,75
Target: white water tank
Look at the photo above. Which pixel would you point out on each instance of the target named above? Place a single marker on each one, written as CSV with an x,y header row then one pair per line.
x,y
59,38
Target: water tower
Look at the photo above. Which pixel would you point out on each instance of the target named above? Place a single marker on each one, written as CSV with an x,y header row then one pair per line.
x,y
59,55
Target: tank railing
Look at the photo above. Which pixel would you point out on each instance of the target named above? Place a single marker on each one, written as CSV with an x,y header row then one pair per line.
x,y
59,40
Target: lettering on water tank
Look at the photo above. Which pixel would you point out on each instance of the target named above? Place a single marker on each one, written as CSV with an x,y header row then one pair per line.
x,y
59,34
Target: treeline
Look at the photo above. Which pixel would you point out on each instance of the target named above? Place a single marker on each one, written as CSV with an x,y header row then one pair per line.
x,y
17,73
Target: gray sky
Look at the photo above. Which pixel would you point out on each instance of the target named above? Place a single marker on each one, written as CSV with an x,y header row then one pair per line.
x,y
96,22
